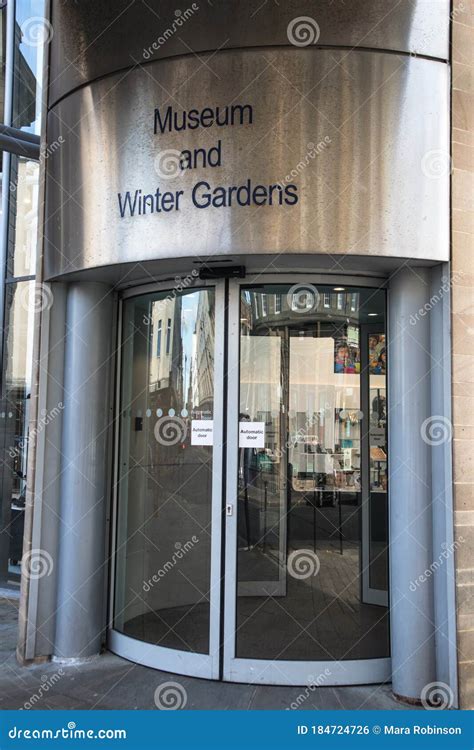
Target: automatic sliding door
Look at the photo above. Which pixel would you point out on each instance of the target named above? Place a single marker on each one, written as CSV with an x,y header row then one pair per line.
x,y
295,554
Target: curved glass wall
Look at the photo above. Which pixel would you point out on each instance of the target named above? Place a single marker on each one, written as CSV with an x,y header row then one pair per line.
x,y
306,554
162,592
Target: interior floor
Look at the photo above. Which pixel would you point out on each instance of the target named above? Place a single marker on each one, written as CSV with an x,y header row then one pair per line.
x,y
319,618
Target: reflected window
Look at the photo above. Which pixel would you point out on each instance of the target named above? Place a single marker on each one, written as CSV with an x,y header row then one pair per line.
x,y
14,418
32,33
22,236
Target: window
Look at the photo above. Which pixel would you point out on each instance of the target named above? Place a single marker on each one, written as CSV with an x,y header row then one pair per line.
x,y
264,305
277,304
158,340
326,299
168,336
340,301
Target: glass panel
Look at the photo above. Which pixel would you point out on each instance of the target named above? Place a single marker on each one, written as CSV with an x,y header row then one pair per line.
x,y
14,414
299,588
22,235
32,31
3,19
378,477
165,470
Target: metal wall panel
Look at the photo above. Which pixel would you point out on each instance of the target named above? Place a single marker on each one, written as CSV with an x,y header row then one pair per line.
x,y
93,39
362,136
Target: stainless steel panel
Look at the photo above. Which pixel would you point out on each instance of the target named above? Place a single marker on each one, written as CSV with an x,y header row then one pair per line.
x,y
363,136
93,38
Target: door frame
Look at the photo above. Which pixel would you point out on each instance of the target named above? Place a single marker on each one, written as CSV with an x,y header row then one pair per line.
x,y
151,655
369,595
267,671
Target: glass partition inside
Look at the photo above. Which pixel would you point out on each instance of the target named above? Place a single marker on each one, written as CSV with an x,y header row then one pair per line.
x,y
303,519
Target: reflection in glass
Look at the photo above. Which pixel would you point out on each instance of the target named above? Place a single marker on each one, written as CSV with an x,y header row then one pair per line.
x,y
32,32
299,588
165,475
22,237
378,554
14,415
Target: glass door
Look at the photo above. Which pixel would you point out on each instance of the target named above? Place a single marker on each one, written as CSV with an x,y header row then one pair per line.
x,y
168,510
304,536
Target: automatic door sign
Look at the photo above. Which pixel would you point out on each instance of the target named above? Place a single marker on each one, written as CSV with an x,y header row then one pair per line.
x,y
251,434
202,432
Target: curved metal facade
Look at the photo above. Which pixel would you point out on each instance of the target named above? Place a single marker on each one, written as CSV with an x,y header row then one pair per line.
x,y
345,169
116,36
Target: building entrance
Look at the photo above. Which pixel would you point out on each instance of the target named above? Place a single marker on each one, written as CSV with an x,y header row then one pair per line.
x,y
251,534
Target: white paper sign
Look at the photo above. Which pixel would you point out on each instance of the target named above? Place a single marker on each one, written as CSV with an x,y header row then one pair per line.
x,y
252,435
202,432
